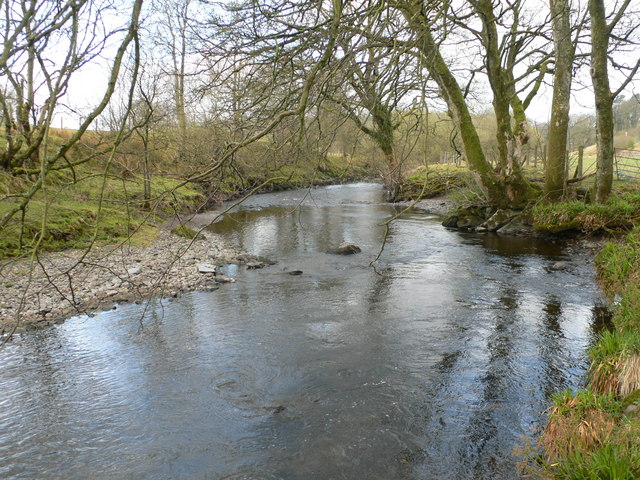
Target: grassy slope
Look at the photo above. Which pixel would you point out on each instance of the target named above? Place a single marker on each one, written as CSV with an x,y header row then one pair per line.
x,y
76,212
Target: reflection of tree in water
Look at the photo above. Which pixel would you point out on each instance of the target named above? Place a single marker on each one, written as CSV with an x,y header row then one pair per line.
x,y
550,343
601,319
486,432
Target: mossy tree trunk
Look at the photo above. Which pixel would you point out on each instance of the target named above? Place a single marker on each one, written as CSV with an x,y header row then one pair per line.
x,y
555,165
504,186
603,99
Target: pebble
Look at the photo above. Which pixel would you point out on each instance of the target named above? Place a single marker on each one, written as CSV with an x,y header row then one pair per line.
x,y
171,264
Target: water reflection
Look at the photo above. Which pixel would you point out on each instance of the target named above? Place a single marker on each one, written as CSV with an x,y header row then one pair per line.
x,y
433,369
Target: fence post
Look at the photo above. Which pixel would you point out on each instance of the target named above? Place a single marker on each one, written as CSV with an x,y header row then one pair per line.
x,y
580,157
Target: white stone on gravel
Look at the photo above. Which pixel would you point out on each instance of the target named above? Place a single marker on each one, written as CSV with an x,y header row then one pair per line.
x,y
206,268
75,283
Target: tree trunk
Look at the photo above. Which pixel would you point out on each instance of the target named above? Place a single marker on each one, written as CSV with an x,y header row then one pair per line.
x,y
559,125
603,99
508,189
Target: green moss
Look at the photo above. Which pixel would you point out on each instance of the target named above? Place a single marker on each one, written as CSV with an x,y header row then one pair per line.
x,y
185,231
619,212
434,181
91,208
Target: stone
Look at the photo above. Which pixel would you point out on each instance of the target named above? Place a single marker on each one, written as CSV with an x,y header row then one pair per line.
x,y
295,272
631,409
469,222
134,270
224,279
255,265
347,249
451,221
516,226
499,219
561,266
206,268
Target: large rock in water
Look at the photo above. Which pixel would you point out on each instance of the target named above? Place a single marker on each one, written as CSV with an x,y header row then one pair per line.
x,y
498,220
467,218
347,249
516,227
469,222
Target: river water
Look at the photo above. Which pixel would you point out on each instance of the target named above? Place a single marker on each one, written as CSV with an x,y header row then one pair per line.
x,y
436,364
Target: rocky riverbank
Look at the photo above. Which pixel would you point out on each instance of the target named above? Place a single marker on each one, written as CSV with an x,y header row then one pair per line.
x,y
58,285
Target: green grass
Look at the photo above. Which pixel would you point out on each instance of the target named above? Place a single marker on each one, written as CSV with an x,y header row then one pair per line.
x,y
567,403
590,435
611,461
77,213
620,212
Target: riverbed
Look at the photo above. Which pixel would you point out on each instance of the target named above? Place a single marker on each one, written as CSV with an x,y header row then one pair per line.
x,y
436,361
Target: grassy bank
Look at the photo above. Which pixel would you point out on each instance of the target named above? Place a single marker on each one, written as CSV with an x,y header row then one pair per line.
x,y
433,181
595,433
88,208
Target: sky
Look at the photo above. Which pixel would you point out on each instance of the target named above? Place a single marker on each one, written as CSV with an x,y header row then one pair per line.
x,y
87,87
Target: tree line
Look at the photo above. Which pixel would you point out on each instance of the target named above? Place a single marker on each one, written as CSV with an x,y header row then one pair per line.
x,y
209,86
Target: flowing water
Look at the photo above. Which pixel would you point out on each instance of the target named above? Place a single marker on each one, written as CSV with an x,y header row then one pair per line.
x,y
435,364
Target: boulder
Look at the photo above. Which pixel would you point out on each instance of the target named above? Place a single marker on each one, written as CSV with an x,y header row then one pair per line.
x,y
347,249
451,221
469,222
516,226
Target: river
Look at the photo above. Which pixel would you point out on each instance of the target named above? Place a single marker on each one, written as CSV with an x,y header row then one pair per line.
x,y
436,363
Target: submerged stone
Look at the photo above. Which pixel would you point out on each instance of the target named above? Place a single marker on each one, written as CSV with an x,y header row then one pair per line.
x,y
347,249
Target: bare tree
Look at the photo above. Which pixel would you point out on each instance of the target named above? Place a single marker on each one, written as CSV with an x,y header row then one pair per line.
x,y
39,31
495,32
372,81
172,33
